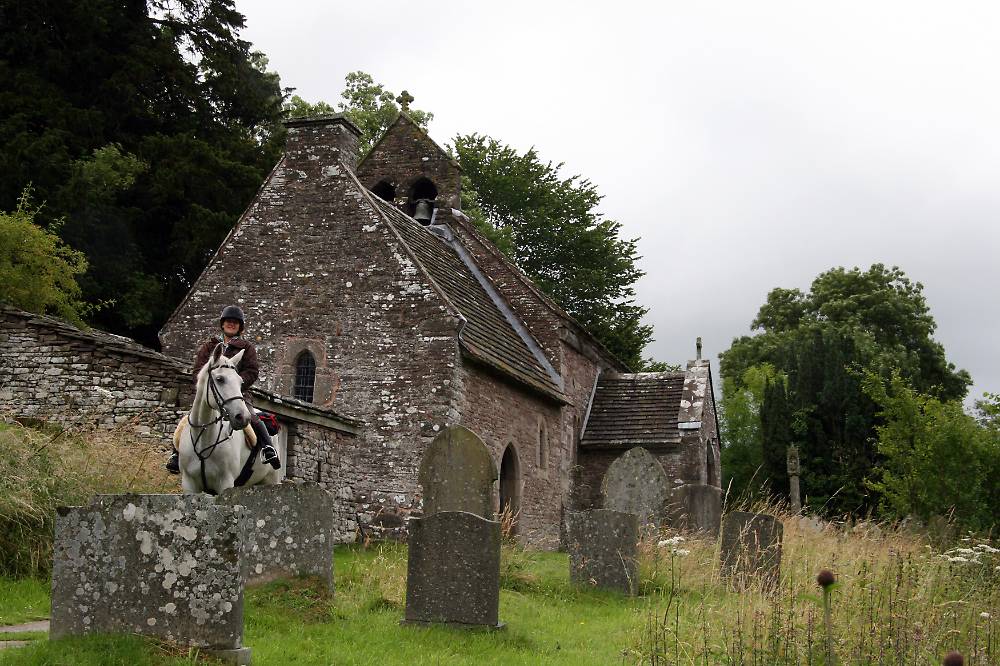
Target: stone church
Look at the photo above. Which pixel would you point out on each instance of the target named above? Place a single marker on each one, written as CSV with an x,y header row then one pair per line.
x,y
368,292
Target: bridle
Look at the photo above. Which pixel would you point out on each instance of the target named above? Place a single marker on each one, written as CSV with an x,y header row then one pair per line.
x,y
220,406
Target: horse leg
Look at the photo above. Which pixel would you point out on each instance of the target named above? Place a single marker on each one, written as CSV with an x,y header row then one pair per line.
x,y
189,486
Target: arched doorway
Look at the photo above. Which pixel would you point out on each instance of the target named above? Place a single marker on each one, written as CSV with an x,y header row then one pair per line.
x,y
510,485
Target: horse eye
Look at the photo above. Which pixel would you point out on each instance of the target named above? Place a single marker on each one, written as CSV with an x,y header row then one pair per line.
x,y
221,380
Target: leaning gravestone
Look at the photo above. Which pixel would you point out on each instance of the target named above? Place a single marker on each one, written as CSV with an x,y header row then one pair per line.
x,y
635,483
457,473
290,531
602,549
751,548
157,565
453,570
695,508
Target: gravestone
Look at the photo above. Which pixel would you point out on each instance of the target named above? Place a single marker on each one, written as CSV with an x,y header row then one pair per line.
x,y
457,474
289,533
602,549
453,570
156,565
695,508
751,548
635,483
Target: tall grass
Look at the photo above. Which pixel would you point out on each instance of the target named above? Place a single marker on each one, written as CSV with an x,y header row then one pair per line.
x,y
896,601
41,469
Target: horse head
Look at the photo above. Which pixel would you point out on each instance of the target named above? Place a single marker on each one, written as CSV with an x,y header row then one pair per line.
x,y
225,392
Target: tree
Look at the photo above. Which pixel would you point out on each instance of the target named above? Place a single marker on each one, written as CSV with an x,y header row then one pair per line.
x,y
743,432
776,437
147,126
850,320
549,226
37,270
935,457
373,108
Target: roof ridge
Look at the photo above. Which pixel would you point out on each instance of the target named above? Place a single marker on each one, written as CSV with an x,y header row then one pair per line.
x,y
547,300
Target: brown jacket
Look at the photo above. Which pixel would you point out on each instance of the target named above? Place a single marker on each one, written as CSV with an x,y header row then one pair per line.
x,y
248,368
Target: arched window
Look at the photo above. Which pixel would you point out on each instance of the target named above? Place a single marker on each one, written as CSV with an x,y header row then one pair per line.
x,y
305,377
385,191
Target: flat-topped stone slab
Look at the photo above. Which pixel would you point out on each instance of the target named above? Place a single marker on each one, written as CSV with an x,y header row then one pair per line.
x,y
695,508
290,531
635,483
457,473
602,549
751,548
155,565
453,571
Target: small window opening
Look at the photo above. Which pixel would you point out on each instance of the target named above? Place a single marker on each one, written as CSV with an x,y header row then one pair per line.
x,y
422,190
543,445
384,190
305,377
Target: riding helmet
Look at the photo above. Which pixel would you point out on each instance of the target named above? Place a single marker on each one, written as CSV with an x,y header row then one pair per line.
x,y
232,312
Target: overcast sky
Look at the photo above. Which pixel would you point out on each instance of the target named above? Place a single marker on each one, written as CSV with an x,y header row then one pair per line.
x,y
749,144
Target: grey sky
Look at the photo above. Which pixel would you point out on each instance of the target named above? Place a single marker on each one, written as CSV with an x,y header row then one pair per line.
x,y
749,145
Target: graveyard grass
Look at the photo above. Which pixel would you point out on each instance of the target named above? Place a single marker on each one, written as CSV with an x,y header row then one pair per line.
x,y
897,601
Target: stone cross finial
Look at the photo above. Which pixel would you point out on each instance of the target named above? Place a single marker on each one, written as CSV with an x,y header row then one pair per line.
x,y
404,100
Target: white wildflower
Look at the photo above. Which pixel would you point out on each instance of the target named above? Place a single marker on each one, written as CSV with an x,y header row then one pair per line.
x,y
986,548
680,552
957,558
985,616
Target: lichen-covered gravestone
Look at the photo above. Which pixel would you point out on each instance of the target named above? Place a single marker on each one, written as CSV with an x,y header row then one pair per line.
x,y
453,570
457,474
751,548
635,483
695,508
157,565
602,549
290,531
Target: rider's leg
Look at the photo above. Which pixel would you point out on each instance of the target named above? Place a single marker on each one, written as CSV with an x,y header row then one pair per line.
x,y
173,464
268,454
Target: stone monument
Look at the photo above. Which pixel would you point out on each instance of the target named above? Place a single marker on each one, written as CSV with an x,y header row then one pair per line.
x,y
453,571
751,548
457,473
602,549
635,483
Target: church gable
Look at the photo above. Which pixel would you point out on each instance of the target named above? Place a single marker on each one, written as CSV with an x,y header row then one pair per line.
x,y
407,166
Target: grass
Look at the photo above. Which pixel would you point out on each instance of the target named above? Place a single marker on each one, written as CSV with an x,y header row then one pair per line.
x,y
23,600
44,468
896,601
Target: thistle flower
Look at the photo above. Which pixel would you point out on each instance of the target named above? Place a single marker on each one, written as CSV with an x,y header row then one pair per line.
x,y
826,578
953,658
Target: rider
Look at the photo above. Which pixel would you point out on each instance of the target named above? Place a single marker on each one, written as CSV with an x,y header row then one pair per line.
x,y
232,323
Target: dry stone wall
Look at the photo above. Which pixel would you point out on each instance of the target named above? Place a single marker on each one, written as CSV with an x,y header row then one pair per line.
x,y
55,372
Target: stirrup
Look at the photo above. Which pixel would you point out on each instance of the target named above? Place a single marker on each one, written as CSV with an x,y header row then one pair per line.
x,y
269,456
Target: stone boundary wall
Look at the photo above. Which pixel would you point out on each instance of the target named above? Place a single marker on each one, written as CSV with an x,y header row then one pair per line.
x,y
52,371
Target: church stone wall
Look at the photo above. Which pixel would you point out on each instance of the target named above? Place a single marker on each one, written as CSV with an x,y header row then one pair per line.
x,y
405,155
502,414
313,264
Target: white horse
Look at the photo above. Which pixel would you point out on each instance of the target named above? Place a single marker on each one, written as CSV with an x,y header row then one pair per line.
x,y
212,443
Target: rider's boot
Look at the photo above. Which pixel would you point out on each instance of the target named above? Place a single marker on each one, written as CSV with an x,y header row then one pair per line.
x,y
173,465
268,454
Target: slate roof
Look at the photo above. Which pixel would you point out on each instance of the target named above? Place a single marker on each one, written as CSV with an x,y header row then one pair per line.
x,y
489,335
634,410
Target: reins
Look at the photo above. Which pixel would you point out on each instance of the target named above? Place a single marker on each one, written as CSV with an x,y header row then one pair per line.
x,y
207,452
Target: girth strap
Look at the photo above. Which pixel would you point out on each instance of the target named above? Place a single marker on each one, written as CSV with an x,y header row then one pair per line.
x,y
247,470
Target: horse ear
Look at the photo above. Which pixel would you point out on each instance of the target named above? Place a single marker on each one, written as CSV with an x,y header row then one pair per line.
x,y
235,360
217,353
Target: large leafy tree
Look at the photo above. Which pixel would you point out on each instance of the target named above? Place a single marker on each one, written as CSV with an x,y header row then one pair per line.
x,y
850,320
147,126
549,225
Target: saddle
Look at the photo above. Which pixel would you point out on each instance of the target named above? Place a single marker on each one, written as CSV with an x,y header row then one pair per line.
x,y
249,436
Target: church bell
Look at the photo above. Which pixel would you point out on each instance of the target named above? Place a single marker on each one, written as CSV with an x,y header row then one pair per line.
x,y
424,211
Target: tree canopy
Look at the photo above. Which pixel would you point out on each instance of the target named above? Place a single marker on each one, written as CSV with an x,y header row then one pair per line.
x,y
38,272
850,321
147,126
